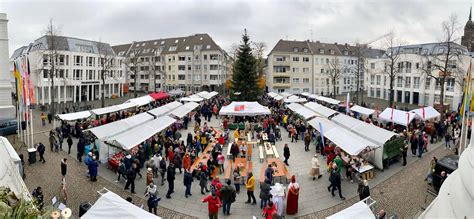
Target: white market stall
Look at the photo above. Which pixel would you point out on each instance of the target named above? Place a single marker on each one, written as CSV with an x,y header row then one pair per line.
x,y
111,205
176,92
272,94
74,116
306,94
192,98
328,100
141,101
244,109
320,109
285,94
183,110
206,95
162,110
359,210
10,170
362,110
426,113
278,98
295,99
114,108
302,111
397,116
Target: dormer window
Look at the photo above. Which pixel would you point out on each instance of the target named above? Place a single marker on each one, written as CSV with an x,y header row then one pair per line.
x,y
162,42
176,41
155,43
331,51
346,53
208,46
305,50
321,51
143,44
295,49
187,47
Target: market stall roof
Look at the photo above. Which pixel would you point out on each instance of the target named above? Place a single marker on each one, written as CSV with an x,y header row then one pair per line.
x,y
320,109
159,95
313,96
295,100
456,196
176,92
348,141
328,100
359,210
134,136
162,110
272,94
141,101
426,113
183,110
362,110
114,108
278,97
111,205
373,133
244,109
9,171
114,128
305,94
302,110
285,94
397,116
192,98
74,116
207,95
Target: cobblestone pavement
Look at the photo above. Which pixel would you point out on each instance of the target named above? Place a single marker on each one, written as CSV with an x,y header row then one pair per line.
x,y
403,194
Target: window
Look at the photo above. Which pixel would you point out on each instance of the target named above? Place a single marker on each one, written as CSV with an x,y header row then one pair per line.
x,y
305,70
378,79
399,81
187,47
322,71
197,67
197,77
321,51
213,77
280,69
408,67
181,58
372,92
214,57
305,59
208,46
428,84
450,84
296,80
331,51
189,67
305,80
280,58
181,77
281,80
45,73
295,49
438,86
296,70
417,65
305,89
78,60
214,67
172,48
436,98
408,82
204,57
181,67
372,79
204,67
316,61
448,99
296,59
296,90
416,82
377,93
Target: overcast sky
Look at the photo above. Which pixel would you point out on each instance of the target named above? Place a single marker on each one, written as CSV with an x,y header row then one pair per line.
x,y
344,21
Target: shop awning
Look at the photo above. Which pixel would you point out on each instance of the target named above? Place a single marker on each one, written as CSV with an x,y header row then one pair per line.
x,y
328,100
133,137
162,110
426,113
110,129
362,110
141,101
207,95
183,110
244,109
74,116
159,95
320,109
302,110
114,108
397,116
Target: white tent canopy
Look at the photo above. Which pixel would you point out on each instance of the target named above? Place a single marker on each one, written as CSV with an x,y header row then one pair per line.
x,y
295,100
362,110
328,100
272,94
278,97
74,116
348,141
111,205
397,116
302,110
305,94
114,108
176,92
359,210
114,128
9,170
426,113
285,94
192,98
162,110
320,109
132,137
244,109
141,101
313,96
181,111
456,196
207,95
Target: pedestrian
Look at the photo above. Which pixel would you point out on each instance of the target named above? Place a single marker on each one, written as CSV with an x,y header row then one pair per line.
x,y
404,154
131,175
363,190
278,197
414,144
269,173
63,167
250,185
315,167
203,182
43,119
237,179
153,199
149,176
264,193
293,194
213,205
50,117
228,195
38,197
93,165
216,185
186,161
187,181
220,162
41,149
122,170
335,179
307,141
286,154
178,162
170,177
269,211
69,143
52,140
60,139
421,143
162,169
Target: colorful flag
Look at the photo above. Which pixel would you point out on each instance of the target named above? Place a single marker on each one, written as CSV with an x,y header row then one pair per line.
x,y
423,112
467,92
322,134
19,82
391,114
347,104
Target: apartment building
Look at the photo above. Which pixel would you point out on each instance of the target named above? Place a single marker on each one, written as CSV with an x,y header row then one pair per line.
x,y
192,63
306,66
78,70
412,84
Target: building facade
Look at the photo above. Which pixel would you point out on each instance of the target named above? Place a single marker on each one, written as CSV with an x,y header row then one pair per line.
x,y
5,76
305,66
412,84
467,39
193,63
78,70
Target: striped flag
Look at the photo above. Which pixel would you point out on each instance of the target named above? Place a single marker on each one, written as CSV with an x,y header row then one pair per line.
x,y
467,92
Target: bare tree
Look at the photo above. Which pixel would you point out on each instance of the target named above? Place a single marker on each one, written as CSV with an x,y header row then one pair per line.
x,y
334,71
358,69
442,65
106,58
258,51
51,52
133,63
391,67
234,48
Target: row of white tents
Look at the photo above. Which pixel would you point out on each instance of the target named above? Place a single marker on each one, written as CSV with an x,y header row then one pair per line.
x,y
203,95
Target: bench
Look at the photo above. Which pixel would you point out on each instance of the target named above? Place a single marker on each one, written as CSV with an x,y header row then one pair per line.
x,y
261,155
228,169
275,152
229,155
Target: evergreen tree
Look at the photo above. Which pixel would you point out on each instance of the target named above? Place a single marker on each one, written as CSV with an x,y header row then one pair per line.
x,y
244,78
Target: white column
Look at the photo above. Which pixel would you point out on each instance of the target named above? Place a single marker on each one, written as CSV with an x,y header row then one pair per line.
x,y
110,93
65,93
93,92
59,93
100,91
49,94
87,91
42,95
80,93
74,94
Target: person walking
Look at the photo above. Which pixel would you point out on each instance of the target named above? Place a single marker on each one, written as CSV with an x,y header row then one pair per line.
x,y
237,179
404,154
307,141
149,176
187,181
153,199
52,140
363,190
264,193
203,182
162,169
93,165
293,194
41,149
50,117
64,167
286,154
122,170
43,119
421,143
335,179
131,176
213,205
250,185
269,173
69,143
278,196
228,195
315,165
170,177
270,211
414,144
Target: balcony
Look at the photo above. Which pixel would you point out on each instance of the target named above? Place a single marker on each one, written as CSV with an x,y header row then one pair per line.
x,y
282,74
281,63
282,85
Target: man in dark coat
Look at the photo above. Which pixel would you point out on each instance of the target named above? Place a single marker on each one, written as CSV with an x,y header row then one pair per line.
x,y
64,167
187,181
131,175
69,144
93,165
170,176
421,143
286,154
178,162
41,148
335,179
228,196
81,147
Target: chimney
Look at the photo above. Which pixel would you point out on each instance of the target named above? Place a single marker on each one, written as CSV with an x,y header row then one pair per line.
x,y
317,41
335,43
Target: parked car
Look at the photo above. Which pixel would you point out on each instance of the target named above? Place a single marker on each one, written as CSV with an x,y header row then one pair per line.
x,y
8,127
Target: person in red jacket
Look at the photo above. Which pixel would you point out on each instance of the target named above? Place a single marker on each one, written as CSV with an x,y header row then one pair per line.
x,y
213,204
216,185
